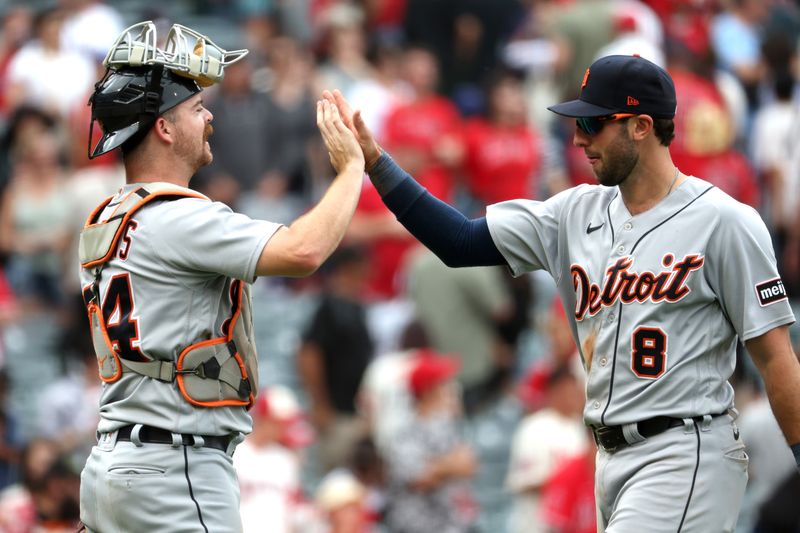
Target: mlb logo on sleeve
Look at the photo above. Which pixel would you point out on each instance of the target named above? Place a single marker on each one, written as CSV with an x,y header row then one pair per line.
x,y
770,292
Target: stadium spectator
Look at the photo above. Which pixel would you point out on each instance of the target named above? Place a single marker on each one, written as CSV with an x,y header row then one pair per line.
x,y
705,132
429,462
20,503
780,513
334,354
567,499
424,134
777,159
582,27
340,497
10,445
268,465
384,397
770,459
293,138
45,74
90,27
34,227
542,442
14,32
736,41
631,35
383,91
67,407
345,47
462,310
503,153
241,133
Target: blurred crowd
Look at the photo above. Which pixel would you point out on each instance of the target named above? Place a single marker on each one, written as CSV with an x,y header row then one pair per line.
x,y
400,395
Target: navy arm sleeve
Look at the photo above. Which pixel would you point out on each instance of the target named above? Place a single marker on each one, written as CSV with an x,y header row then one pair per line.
x,y
455,239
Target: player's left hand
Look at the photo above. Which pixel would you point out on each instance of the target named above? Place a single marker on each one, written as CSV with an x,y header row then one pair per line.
x,y
343,148
354,120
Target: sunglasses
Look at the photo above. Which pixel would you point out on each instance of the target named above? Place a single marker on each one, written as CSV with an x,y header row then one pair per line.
x,y
593,125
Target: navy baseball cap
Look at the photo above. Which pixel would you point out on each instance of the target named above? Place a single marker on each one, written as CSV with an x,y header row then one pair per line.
x,y
622,84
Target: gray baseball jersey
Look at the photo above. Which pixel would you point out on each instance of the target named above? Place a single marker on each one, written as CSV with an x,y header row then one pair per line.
x,y
168,286
659,299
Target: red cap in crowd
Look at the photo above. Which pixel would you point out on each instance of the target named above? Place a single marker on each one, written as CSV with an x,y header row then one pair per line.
x,y
279,403
429,369
532,387
624,22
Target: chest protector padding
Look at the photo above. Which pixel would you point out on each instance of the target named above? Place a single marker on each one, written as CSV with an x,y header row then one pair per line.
x,y
222,371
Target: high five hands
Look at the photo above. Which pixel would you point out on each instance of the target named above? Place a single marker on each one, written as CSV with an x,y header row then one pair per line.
x,y
338,135
355,122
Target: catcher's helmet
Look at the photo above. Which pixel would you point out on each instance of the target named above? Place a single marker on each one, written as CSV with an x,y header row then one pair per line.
x,y
127,102
142,81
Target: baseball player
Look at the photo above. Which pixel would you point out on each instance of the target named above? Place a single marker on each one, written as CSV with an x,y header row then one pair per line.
x,y
663,274
165,276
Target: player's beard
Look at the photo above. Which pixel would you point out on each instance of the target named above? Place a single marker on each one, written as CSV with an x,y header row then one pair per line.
x,y
195,151
619,160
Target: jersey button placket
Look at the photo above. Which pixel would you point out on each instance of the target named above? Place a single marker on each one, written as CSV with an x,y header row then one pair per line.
x,y
627,226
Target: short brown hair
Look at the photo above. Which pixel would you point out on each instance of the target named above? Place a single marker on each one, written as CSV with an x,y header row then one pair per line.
x,y
664,129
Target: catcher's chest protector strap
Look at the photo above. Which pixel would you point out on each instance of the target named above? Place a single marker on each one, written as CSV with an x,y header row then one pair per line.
x,y
222,371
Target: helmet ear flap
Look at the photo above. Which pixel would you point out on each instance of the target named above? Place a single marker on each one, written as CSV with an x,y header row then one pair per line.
x,y
92,151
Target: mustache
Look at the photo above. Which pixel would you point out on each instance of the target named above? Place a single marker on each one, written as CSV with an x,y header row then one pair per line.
x,y
208,132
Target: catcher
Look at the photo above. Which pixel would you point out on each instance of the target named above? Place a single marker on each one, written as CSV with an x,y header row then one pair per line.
x,y
165,276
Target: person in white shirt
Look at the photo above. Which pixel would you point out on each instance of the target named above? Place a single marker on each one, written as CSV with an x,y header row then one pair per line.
x,y
44,74
268,464
542,441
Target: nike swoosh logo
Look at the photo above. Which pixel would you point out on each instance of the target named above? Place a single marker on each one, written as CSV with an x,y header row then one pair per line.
x,y
590,229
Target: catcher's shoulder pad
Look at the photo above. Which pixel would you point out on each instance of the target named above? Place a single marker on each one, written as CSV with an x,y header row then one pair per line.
x,y
98,240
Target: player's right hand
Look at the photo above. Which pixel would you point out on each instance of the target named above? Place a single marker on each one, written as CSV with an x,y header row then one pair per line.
x,y
354,121
343,148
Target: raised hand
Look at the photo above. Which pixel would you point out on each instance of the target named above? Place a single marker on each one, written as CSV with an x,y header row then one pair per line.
x,y
343,147
354,121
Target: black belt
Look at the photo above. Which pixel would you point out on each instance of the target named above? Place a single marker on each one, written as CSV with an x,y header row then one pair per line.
x,y
153,435
611,438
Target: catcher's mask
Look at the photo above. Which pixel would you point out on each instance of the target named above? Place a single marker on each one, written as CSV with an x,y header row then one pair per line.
x,y
142,81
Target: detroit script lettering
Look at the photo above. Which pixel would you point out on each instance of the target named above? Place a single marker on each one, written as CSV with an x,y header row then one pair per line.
x,y
628,286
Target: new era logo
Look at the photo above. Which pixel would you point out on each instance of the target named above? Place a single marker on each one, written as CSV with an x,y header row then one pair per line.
x,y
632,101
770,292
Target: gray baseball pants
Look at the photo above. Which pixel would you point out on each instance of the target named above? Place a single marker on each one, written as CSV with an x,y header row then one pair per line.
x,y
688,479
127,487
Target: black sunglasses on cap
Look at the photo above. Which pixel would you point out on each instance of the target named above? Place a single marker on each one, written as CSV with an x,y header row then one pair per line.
x,y
593,125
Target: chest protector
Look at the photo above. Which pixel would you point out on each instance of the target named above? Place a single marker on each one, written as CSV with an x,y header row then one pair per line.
x,y
222,371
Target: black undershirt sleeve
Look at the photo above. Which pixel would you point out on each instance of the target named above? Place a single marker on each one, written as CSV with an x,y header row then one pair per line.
x,y
455,239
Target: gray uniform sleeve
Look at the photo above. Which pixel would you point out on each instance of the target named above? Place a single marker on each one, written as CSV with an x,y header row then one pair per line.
x,y
743,272
203,236
526,231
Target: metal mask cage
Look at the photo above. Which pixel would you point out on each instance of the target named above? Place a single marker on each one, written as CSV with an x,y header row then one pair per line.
x,y
186,52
